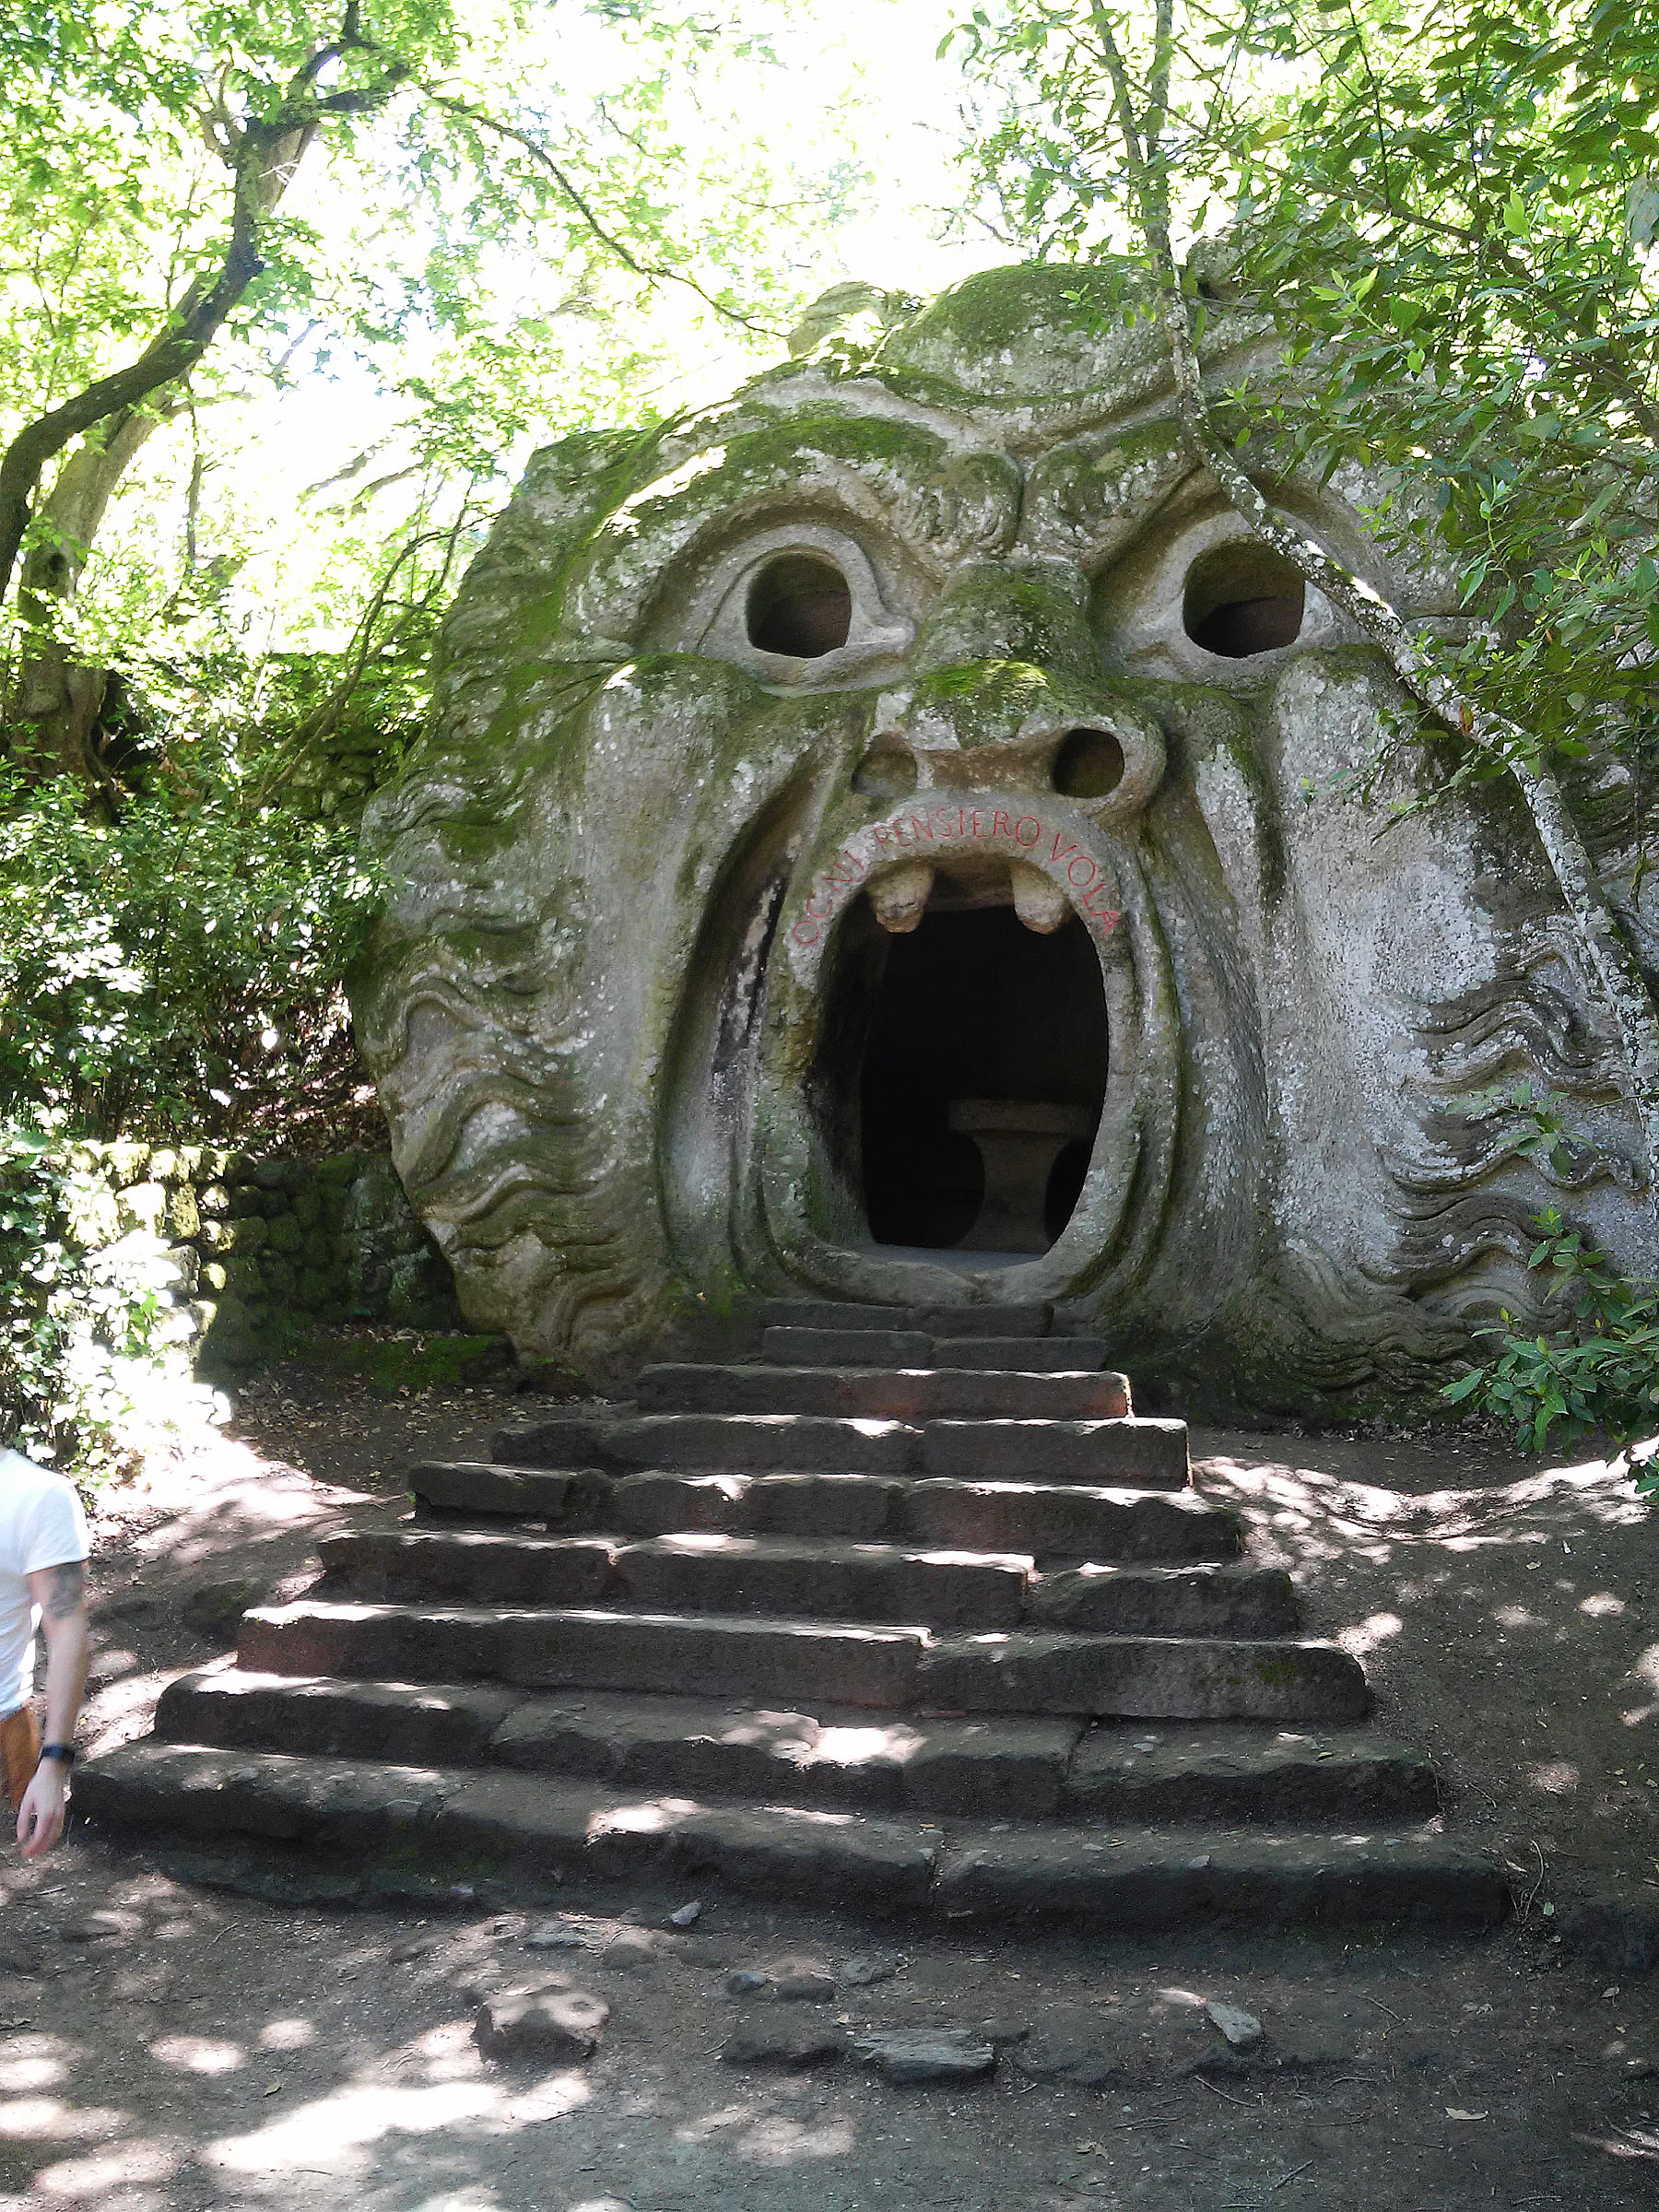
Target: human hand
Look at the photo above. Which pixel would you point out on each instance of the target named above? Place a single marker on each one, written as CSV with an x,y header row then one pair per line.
x,y
40,1815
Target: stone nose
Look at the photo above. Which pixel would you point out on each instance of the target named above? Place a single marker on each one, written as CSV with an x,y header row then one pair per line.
x,y
1032,612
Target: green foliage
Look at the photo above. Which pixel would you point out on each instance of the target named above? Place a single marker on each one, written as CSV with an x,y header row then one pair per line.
x,y
1599,1370
1452,212
177,970
93,1367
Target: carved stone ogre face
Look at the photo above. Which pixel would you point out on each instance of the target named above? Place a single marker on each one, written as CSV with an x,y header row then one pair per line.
x,y
878,838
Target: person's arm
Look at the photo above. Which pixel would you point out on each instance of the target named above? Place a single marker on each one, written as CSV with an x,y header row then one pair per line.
x,y
61,1593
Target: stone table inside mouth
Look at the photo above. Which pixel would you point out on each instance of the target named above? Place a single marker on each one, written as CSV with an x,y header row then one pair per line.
x,y
1020,1141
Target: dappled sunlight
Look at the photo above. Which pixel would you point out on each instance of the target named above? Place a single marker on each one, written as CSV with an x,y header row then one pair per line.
x,y
654,1817
1555,1777
286,2035
858,1747
778,2140
338,2129
1304,1500
119,1711
198,2054
1380,1628
446,2052
773,1730
710,2125
96,2180
50,2119
1016,1560
1601,1606
35,2061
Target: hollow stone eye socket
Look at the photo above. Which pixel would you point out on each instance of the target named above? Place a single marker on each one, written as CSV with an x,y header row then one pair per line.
x,y
1089,765
1242,599
800,605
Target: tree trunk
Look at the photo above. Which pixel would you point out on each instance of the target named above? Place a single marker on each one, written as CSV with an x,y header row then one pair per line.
x,y
59,698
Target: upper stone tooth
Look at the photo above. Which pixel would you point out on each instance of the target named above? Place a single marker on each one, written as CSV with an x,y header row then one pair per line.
x,y
1041,904
901,896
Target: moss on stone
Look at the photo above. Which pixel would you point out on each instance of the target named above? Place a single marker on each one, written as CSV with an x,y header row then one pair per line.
x,y
996,309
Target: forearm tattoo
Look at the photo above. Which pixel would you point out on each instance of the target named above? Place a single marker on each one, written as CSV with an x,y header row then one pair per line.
x,y
66,1591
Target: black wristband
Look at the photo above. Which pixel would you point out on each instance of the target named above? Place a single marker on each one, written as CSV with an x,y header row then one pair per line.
x,y
65,1752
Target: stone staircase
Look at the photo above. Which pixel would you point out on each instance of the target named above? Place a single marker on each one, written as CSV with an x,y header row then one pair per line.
x,y
910,1613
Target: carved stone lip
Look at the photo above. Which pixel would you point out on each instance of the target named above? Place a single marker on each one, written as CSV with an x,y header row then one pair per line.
x,y
974,843
1043,833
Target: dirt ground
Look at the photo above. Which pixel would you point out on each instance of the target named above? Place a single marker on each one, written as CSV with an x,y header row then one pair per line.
x,y
169,2048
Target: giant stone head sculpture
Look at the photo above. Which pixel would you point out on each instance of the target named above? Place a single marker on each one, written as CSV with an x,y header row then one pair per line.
x,y
883,839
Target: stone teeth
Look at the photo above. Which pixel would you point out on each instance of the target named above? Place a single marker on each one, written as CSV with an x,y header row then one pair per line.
x,y
1041,904
901,896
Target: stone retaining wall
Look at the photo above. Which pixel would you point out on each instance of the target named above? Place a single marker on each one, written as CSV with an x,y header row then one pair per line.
x,y
255,1244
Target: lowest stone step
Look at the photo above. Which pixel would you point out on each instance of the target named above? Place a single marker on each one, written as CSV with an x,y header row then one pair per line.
x,y
399,1829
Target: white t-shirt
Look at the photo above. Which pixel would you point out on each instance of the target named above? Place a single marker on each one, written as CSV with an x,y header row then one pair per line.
x,y
41,1525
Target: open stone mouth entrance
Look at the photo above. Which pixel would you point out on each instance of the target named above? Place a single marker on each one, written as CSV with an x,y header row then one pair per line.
x,y
961,1073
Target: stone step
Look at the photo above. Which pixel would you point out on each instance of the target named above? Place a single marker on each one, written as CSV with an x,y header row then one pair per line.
x,y
754,1657
811,1577
749,1441
475,1566
1072,1521
1032,1355
808,1578
1018,1766
744,1656
928,1320
1143,1454
899,1393
851,1348
391,1824
890,1348
1234,1599
1307,1778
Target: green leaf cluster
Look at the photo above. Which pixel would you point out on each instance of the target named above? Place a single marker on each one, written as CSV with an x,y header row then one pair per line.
x,y
178,971
1598,1371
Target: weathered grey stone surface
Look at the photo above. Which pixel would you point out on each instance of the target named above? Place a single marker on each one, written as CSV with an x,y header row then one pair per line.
x,y
741,724
547,2020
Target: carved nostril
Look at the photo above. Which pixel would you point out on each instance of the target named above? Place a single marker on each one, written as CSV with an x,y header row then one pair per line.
x,y
886,772
1089,765
799,606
